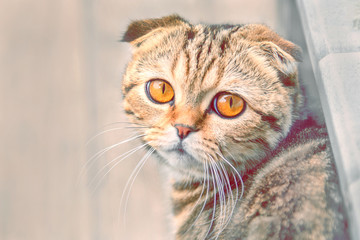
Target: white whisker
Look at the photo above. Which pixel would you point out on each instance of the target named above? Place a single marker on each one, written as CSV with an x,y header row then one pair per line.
x,y
237,173
225,183
103,132
123,122
228,185
220,189
131,181
206,196
214,206
122,157
234,200
133,127
223,219
100,153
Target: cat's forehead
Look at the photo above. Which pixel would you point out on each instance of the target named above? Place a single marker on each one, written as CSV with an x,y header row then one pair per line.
x,y
202,60
198,59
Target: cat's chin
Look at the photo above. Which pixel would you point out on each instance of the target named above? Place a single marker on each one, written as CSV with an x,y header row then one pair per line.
x,y
182,163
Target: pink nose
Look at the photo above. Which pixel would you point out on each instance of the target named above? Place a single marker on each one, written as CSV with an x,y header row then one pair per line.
x,y
183,130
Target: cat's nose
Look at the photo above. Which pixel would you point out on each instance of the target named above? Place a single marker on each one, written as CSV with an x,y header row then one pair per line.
x,y
183,130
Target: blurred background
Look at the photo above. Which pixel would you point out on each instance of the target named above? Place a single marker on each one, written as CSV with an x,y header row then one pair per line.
x,y
60,77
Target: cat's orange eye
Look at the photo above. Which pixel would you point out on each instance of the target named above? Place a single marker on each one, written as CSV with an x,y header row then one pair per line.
x,y
228,105
159,91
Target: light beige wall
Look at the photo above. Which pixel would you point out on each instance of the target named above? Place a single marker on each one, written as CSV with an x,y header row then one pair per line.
x,y
60,74
43,114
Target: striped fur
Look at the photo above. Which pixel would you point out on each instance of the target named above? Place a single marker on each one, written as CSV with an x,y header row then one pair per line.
x,y
265,174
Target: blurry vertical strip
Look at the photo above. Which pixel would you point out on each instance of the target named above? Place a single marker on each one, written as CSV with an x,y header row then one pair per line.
x,y
89,48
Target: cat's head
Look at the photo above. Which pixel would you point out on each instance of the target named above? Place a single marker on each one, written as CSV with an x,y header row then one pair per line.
x,y
210,92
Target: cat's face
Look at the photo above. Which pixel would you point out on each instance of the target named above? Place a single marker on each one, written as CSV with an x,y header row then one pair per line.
x,y
209,93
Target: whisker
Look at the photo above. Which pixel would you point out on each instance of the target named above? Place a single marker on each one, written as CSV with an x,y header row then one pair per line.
x,y
228,185
220,190
123,122
232,156
207,192
225,198
131,181
237,191
131,127
214,206
101,133
122,157
237,173
116,128
100,153
233,200
206,197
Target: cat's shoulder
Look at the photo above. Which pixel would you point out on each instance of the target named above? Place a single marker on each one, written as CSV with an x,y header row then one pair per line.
x,y
303,157
297,187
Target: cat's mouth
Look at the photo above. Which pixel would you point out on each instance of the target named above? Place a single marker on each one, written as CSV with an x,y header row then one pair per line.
x,y
180,157
180,150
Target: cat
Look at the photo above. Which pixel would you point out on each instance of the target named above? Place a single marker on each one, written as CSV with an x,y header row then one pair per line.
x,y
221,108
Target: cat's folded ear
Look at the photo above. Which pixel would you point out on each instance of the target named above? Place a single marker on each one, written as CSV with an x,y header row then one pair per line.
x,y
285,61
282,54
138,30
262,34
282,60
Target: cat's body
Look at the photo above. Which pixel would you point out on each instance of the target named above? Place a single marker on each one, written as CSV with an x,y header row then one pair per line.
x,y
291,195
220,107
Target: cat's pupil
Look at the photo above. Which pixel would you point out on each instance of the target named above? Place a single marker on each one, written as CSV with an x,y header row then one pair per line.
x,y
231,102
163,88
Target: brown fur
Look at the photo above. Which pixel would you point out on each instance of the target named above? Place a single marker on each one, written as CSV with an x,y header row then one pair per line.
x,y
265,174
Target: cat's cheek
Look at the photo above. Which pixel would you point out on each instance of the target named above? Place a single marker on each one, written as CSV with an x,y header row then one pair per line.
x,y
165,138
142,110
